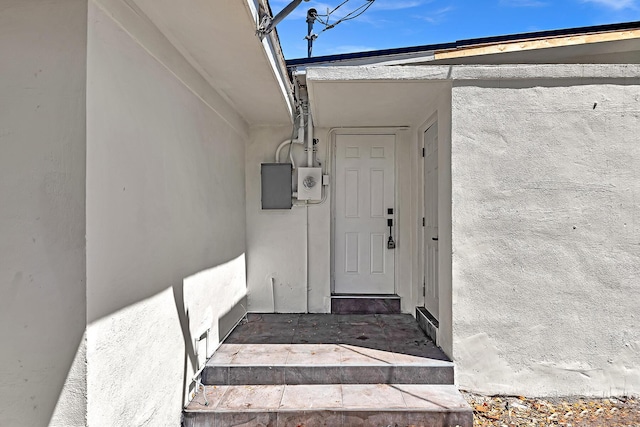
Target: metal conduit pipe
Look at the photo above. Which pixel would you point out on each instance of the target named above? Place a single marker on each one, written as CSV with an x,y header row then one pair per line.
x,y
269,23
284,144
309,138
299,138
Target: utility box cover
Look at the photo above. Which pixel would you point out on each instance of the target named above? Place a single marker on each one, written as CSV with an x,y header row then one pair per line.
x,y
310,184
276,185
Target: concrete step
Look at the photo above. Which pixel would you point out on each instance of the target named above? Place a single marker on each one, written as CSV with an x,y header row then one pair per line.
x,y
255,364
351,405
365,304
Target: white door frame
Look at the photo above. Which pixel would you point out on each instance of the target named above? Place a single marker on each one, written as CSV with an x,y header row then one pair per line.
x,y
420,213
429,229
332,155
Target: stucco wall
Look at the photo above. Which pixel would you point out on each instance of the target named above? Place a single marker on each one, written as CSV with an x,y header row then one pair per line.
x,y
546,234
165,219
42,204
277,240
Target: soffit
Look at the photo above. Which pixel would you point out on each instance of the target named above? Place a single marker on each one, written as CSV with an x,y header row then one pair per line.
x,y
372,103
218,38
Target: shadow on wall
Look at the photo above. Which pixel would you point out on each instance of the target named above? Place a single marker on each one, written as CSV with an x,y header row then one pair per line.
x,y
190,357
207,313
209,299
194,356
118,278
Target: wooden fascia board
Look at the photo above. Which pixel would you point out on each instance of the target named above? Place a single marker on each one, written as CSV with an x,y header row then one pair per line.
x,y
525,45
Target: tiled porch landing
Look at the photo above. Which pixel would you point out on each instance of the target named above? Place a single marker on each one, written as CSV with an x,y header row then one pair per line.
x,y
394,333
333,370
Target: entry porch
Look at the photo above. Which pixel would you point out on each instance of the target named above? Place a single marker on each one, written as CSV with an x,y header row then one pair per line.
x,y
328,369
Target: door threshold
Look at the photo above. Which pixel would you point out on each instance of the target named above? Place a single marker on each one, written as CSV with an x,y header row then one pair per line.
x,y
365,304
391,296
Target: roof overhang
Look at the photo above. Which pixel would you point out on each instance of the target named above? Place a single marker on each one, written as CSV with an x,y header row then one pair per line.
x,y
218,38
374,96
395,96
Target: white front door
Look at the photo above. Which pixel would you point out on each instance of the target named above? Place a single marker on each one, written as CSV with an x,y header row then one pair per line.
x,y
430,233
364,193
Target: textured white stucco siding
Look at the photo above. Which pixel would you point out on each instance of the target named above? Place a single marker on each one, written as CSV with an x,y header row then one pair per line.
x,y
276,239
546,235
42,204
165,220
289,262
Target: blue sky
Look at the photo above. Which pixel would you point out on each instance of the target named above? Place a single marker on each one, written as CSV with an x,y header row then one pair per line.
x,y
398,23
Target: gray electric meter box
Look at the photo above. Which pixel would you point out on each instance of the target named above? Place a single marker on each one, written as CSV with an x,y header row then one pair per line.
x,y
276,186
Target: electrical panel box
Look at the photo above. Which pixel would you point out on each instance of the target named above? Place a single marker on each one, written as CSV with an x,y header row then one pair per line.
x,y
310,184
276,185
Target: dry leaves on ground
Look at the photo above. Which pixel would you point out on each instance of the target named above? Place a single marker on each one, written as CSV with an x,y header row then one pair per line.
x,y
507,411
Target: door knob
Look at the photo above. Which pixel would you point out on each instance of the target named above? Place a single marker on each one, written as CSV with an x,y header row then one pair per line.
x,y
434,238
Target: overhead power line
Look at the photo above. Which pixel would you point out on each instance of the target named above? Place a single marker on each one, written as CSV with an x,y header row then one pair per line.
x,y
313,16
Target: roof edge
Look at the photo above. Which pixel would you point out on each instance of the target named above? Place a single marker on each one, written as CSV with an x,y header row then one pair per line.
x,y
465,43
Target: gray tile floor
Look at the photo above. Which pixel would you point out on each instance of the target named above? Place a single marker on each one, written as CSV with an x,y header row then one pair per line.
x,y
397,333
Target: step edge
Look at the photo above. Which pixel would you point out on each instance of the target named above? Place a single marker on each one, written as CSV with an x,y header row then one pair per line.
x,y
466,407
306,410
329,365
